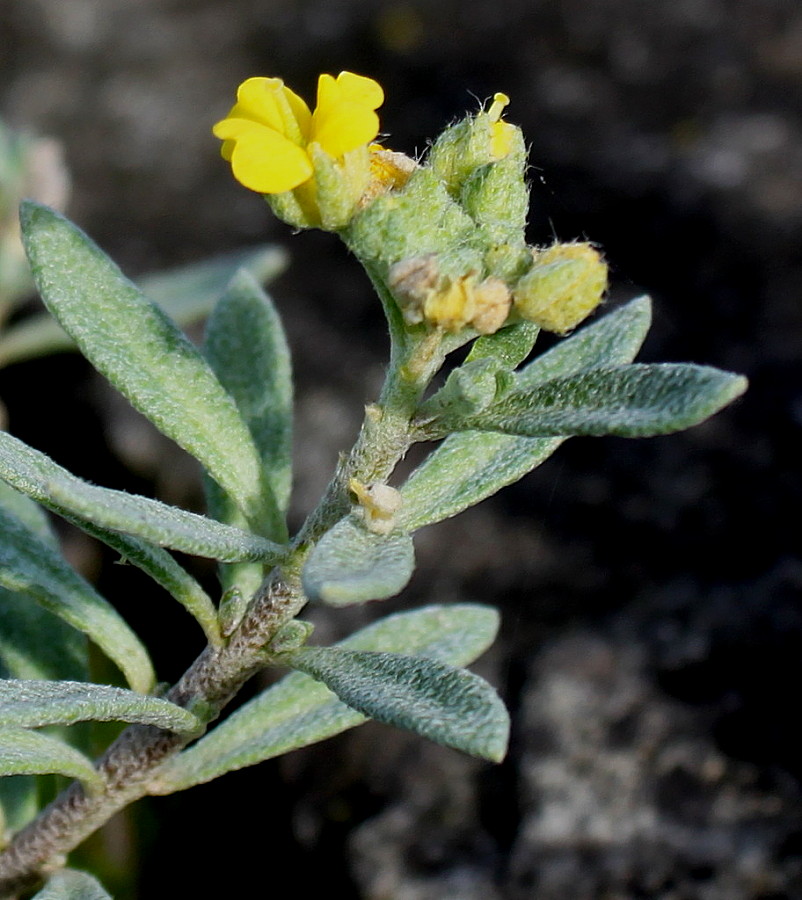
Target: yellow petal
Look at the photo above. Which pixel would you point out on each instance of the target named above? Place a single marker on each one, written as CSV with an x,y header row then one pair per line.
x,y
359,89
257,99
301,113
343,127
268,163
502,134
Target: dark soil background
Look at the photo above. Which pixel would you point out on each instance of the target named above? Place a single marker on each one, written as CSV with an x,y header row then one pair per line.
x,y
650,590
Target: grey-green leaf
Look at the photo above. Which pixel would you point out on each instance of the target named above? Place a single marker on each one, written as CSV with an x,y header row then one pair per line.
x,y
29,513
142,352
30,567
24,752
36,475
71,885
628,401
470,466
510,345
351,564
186,293
34,643
247,349
299,710
445,704
34,704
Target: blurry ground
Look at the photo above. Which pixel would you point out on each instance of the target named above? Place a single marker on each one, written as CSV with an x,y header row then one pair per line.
x,y
650,590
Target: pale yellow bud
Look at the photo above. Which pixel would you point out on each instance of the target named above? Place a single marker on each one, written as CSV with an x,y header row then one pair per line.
x,y
565,284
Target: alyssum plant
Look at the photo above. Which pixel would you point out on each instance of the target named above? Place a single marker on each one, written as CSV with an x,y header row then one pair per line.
x,y
443,243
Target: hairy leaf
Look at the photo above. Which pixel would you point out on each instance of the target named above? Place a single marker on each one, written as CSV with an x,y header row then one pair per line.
x,y
351,565
628,401
142,352
24,752
247,349
32,568
34,643
445,704
34,704
510,345
71,885
299,710
470,466
36,475
186,293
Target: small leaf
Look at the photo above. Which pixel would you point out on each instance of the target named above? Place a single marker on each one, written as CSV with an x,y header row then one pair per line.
x,y
29,513
448,705
145,356
188,293
628,401
24,752
34,704
34,643
247,349
164,570
470,466
510,345
351,565
71,885
36,475
298,710
469,389
32,568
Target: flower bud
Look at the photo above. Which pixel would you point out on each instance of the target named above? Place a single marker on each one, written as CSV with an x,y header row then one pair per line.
x,y
472,143
565,284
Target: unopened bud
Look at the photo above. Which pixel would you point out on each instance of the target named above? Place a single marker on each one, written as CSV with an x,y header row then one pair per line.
x,y
565,284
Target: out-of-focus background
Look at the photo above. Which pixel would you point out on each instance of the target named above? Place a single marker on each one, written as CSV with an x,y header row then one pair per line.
x,y
650,590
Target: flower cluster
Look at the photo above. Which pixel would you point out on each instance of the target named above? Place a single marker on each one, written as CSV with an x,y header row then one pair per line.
x,y
446,238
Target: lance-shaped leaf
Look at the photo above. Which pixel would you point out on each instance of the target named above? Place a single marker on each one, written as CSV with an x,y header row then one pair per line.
x,y
247,349
510,345
470,466
146,357
351,564
186,293
447,705
29,513
628,401
24,752
298,710
36,644
34,704
71,885
32,568
36,475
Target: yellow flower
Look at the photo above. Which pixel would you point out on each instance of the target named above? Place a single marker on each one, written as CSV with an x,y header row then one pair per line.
x,y
270,136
